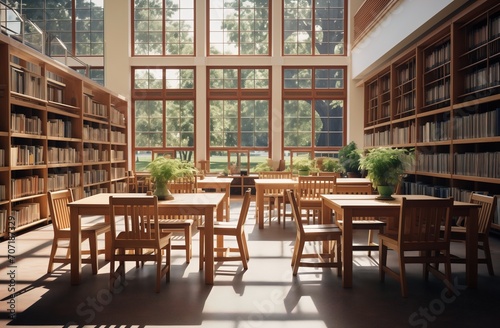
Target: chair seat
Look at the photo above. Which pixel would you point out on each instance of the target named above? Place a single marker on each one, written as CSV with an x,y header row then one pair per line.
x,y
322,228
365,224
184,225
221,226
175,223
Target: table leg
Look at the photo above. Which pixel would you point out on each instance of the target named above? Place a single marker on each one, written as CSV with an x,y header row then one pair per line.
x,y
228,204
75,246
259,201
107,240
347,249
471,248
209,244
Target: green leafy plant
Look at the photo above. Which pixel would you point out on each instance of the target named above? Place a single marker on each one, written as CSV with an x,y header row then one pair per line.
x,y
349,157
304,164
164,169
332,165
263,167
385,165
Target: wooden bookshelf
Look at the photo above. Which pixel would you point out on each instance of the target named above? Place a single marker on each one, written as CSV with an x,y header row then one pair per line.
x,y
61,130
445,103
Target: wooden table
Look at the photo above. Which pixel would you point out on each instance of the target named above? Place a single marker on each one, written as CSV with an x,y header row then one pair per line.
x,y
220,185
183,204
263,184
367,205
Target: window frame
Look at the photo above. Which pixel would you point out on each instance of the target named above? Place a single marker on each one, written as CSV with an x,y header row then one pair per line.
x,y
164,95
163,32
312,95
238,45
313,25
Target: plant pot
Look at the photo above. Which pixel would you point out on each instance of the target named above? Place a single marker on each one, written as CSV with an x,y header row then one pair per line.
x,y
385,192
353,175
304,172
163,193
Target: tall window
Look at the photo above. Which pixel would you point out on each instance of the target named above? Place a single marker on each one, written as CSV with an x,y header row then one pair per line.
x,y
239,113
313,109
238,27
163,27
313,27
61,18
164,114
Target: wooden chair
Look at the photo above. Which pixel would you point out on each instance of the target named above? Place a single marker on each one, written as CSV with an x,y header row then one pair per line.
x,y
230,229
132,181
419,231
140,240
60,216
274,197
485,218
361,223
180,223
330,233
144,184
309,190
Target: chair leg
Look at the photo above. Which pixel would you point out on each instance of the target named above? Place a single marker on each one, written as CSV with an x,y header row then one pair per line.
x,y
300,249
487,254
93,252
295,248
382,260
245,246
241,247
202,248
188,243
338,246
402,275
52,255
158,270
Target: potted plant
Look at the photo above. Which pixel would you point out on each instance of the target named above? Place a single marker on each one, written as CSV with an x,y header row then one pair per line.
x,y
263,167
349,157
164,169
385,166
304,166
332,165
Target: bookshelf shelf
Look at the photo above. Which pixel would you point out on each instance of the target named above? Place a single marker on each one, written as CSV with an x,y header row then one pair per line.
x,y
46,131
446,105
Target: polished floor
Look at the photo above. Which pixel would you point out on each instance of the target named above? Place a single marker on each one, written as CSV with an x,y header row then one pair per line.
x,y
265,295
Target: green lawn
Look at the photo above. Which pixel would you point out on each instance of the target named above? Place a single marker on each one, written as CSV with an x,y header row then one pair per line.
x,y
217,163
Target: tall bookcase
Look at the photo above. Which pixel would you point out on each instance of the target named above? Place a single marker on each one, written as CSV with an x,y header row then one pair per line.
x,y
58,130
444,101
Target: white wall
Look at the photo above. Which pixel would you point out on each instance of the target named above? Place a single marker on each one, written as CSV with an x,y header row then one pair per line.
x,y
407,20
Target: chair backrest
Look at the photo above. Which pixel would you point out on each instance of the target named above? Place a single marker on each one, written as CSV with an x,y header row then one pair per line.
x,y
295,211
275,175
421,221
354,189
486,212
311,187
140,220
59,210
245,205
183,185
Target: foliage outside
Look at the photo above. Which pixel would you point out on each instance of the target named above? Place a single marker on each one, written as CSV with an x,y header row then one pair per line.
x,y
386,165
349,157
